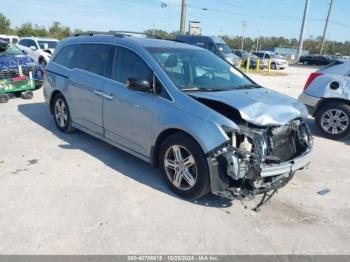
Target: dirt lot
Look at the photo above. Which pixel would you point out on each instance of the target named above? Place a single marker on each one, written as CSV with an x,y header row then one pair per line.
x,y
73,194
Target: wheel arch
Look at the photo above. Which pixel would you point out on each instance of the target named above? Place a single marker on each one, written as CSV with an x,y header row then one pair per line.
x,y
330,100
161,138
53,95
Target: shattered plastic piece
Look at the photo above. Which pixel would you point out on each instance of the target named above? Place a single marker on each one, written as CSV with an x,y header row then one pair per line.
x,y
323,191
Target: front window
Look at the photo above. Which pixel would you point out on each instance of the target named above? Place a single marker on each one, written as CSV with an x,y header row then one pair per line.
x,y
130,66
9,49
47,44
223,48
199,70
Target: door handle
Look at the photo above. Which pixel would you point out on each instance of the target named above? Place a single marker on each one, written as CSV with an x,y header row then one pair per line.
x,y
108,96
98,92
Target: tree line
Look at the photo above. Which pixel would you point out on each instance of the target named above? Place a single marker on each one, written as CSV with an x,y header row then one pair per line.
x,y
56,30
313,44
59,31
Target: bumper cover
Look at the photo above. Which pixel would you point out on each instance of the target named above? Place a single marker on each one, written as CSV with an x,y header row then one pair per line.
x,y
286,167
311,102
280,173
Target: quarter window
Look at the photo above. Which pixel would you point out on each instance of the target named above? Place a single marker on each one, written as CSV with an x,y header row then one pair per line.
x,y
129,65
67,56
95,58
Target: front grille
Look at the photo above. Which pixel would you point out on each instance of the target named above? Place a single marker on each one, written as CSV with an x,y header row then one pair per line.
x,y
13,72
283,143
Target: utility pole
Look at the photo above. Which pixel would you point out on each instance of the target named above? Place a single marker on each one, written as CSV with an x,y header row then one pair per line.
x,y
325,26
183,17
303,25
244,24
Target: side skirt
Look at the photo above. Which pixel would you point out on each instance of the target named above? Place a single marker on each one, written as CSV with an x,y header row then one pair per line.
x,y
108,141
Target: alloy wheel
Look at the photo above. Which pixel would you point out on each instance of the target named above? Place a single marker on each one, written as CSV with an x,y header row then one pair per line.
x,y
180,167
61,114
334,121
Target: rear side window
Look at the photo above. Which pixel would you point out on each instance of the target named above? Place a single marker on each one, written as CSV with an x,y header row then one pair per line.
x,y
96,58
130,65
67,56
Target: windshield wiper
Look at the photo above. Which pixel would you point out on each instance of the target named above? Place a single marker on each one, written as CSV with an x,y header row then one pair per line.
x,y
202,89
247,86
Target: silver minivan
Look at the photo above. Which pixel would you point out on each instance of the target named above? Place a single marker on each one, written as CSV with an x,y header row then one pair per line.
x,y
205,124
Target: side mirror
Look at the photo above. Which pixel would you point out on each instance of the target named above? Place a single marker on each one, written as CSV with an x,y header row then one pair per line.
x,y
25,52
139,85
33,48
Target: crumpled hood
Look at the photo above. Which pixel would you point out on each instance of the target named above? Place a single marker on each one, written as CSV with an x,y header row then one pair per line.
x,y
7,62
259,106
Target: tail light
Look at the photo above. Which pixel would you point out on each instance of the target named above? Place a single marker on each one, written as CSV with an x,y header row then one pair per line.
x,y
311,78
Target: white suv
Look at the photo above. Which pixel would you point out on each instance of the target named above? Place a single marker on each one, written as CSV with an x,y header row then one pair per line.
x,y
40,49
277,62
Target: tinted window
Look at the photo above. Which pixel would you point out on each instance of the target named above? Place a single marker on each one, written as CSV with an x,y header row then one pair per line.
x,y
130,65
259,55
67,56
267,56
95,58
238,53
31,43
23,42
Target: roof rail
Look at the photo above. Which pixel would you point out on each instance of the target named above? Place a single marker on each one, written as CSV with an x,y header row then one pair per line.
x,y
129,33
117,34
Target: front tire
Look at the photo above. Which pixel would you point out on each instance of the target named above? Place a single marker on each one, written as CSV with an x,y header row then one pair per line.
x,y
61,114
184,166
333,120
273,66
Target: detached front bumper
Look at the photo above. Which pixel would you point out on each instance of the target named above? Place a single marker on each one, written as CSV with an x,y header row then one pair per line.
x,y
286,167
225,173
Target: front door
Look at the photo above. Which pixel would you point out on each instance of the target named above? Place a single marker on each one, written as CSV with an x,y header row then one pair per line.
x,y
128,115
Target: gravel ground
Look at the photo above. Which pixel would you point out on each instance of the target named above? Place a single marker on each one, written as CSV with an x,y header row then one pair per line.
x,y
73,194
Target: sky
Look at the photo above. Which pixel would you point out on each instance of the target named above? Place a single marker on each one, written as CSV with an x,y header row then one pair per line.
x,y
217,17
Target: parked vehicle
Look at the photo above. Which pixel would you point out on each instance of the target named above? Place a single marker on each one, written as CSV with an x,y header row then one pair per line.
x,y
40,49
318,60
181,108
13,39
212,43
327,97
276,61
15,66
253,58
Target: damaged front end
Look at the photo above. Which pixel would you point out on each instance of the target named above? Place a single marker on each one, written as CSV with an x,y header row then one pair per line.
x,y
259,159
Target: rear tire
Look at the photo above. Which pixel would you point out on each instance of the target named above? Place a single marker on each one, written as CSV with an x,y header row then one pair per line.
x,y
61,114
184,166
4,98
333,120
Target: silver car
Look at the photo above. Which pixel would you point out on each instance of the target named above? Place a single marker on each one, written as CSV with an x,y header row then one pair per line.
x,y
327,96
207,126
